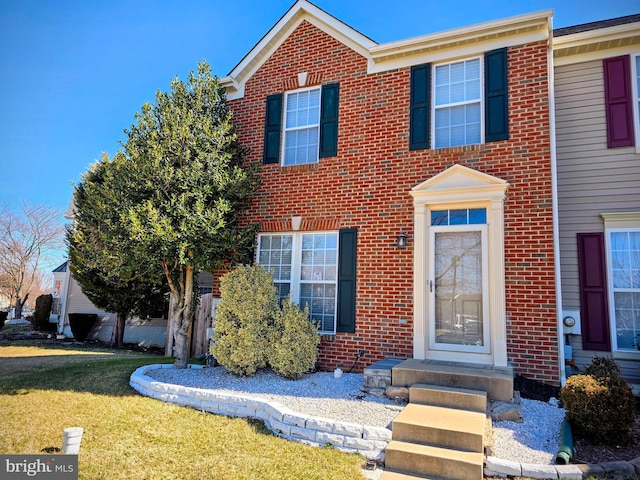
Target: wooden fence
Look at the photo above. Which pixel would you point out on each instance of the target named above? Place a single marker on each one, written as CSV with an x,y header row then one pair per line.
x,y
198,332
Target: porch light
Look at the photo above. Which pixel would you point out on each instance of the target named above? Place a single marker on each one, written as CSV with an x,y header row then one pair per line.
x,y
401,240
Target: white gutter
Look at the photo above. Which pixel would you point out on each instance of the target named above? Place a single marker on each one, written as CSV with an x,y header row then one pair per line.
x,y
554,201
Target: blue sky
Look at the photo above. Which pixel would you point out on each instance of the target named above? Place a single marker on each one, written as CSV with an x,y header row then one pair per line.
x,y
74,72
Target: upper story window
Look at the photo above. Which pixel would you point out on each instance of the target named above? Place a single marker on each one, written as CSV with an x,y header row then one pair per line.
x,y
457,103
307,125
302,127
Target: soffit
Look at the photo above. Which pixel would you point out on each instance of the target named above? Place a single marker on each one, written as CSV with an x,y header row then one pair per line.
x,y
594,44
461,42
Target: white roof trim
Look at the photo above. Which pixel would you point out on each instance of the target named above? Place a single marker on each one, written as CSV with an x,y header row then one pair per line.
x,y
299,12
447,45
471,40
595,44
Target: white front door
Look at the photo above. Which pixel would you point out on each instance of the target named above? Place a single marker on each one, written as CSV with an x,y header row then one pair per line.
x,y
458,316
459,281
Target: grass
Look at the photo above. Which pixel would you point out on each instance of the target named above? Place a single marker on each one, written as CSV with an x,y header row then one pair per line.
x,y
45,388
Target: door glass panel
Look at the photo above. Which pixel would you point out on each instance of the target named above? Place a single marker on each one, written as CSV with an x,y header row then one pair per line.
x,y
458,288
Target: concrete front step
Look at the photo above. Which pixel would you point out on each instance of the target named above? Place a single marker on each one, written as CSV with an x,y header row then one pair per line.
x,y
445,427
389,475
430,461
439,396
496,381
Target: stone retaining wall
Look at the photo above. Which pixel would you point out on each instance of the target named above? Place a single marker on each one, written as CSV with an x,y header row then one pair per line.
x,y
351,437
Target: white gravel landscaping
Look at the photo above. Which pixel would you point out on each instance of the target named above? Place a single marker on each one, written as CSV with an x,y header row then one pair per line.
x,y
536,440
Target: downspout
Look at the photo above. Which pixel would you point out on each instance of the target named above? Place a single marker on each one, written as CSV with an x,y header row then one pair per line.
x,y
554,189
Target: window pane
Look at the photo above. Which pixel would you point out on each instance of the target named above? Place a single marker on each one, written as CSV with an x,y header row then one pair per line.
x,y
458,217
457,104
275,255
477,216
440,218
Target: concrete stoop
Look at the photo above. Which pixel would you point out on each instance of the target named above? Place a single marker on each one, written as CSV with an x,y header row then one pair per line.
x,y
439,435
497,382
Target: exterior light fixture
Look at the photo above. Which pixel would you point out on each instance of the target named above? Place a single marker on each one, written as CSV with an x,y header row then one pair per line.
x,y
401,240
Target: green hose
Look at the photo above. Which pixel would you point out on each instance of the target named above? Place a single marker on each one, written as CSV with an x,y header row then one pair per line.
x,y
563,457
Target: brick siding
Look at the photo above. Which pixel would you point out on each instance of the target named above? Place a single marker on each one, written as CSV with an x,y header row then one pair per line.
x,y
366,186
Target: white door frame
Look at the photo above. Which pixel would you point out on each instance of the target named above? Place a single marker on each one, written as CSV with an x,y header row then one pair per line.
x,y
455,188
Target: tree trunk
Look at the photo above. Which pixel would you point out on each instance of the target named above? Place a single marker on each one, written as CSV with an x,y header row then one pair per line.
x,y
181,341
181,315
117,335
17,311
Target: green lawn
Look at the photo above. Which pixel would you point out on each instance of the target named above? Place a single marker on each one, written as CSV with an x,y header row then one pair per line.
x,y
45,388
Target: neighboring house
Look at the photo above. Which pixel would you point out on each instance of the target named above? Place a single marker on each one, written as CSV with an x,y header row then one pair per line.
x,y
597,105
59,293
69,298
407,189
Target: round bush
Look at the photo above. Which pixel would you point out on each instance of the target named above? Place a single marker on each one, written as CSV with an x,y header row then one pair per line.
x,y
294,342
243,319
601,408
42,313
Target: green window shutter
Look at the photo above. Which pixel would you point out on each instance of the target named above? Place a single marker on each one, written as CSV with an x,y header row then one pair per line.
x,y
329,120
347,241
496,112
420,107
272,127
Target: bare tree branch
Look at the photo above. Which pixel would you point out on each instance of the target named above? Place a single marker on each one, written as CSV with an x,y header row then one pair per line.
x,y
26,241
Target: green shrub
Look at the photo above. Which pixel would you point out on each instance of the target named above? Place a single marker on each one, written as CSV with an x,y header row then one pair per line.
x,y
600,405
244,318
293,341
81,324
42,312
603,368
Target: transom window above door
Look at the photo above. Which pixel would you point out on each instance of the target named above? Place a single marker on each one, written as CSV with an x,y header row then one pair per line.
x,y
465,216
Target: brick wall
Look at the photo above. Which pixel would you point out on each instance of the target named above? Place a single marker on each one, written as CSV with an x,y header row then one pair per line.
x,y
367,187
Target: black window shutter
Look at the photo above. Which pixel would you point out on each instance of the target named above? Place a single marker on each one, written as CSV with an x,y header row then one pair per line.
x,y
329,120
496,113
272,126
419,107
346,321
594,309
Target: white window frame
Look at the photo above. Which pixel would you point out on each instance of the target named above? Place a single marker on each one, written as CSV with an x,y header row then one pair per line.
x,y
479,101
295,281
617,222
286,130
612,291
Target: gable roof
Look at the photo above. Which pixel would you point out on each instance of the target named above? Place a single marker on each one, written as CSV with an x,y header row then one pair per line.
x,y
301,11
60,268
449,44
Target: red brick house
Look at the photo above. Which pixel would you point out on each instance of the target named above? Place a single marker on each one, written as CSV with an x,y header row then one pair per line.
x,y
408,188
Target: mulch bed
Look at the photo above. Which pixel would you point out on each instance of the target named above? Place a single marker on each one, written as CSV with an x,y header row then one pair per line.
x,y
586,452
